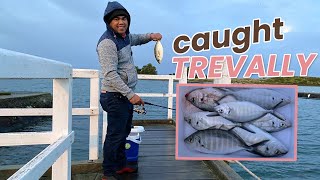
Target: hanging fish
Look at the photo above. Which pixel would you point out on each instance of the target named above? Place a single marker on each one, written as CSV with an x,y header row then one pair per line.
x,y
158,51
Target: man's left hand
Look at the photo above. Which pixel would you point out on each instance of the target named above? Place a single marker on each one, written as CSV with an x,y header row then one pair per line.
x,y
155,36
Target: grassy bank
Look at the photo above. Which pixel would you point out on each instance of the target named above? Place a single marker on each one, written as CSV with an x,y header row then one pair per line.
x,y
4,93
301,81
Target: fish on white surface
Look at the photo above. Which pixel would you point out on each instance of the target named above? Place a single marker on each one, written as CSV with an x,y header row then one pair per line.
x,y
205,98
272,147
226,99
241,111
247,137
204,120
189,108
271,123
214,141
265,98
158,52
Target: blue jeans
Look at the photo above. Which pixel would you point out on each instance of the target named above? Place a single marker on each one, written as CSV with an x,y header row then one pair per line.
x,y
120,113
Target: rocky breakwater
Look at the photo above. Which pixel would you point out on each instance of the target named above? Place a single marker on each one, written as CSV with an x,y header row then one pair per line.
x,y
23,100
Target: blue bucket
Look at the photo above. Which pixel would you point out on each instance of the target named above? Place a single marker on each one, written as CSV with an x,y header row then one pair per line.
x,y
132,143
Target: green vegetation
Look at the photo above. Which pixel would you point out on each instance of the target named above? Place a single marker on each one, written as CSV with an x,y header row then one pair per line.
x,y
301,81
5,93
147,69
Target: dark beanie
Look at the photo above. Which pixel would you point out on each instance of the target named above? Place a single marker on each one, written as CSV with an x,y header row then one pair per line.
x,y
115,13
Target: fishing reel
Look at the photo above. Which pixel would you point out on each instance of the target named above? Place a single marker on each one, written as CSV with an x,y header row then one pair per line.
x,y
140,110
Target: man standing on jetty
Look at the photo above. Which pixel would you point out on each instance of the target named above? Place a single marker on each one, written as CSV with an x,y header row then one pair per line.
x,y
117,89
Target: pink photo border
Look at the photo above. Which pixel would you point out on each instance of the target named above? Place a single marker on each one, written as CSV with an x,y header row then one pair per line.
x,y
295,87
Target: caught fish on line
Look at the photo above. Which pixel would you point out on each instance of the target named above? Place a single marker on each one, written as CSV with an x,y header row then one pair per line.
x,y
158,52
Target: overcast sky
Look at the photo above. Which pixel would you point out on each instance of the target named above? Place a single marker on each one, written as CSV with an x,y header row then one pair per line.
x,y
68,30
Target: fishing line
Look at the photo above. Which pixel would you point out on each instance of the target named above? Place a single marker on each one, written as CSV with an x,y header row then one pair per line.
x,y
158,105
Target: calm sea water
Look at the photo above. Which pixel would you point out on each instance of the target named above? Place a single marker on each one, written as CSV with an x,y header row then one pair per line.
x,y
23,154
307,166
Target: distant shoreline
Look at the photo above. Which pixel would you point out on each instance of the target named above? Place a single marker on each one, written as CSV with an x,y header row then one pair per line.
x,y
300,81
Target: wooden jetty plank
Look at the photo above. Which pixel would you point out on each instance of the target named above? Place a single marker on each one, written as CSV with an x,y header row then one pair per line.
x,y
156,148
163,141
170,176
158,127
138,176
156,161
158,134
157,157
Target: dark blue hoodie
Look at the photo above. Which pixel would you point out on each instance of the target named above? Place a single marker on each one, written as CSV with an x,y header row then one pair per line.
x,y
112,6
115,57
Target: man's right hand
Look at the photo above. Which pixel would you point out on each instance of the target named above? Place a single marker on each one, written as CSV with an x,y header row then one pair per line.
x,y
136,100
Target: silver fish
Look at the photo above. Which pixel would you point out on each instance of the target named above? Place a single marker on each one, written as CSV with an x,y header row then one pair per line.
x,y
215,142
265,98
241,111
226,99
158,51
271,123
247,137
203,120
272,147
189,108
205,98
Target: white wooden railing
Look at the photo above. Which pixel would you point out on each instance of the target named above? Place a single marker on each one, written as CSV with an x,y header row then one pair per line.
x,y
93,111
58,154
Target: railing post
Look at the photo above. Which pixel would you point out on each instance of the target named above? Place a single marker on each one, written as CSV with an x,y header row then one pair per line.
x,y
62,124
184,79
225,79
94,119
170,98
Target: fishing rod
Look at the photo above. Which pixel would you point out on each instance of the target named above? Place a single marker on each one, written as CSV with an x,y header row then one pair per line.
x,y
158,105
142,110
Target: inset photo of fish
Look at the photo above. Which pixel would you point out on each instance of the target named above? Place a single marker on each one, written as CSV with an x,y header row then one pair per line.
x,y
236,122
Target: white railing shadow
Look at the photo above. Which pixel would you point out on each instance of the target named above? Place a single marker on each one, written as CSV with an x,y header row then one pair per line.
x,y
16,65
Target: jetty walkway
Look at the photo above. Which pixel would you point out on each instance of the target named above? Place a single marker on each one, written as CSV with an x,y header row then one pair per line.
x,y
156,161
